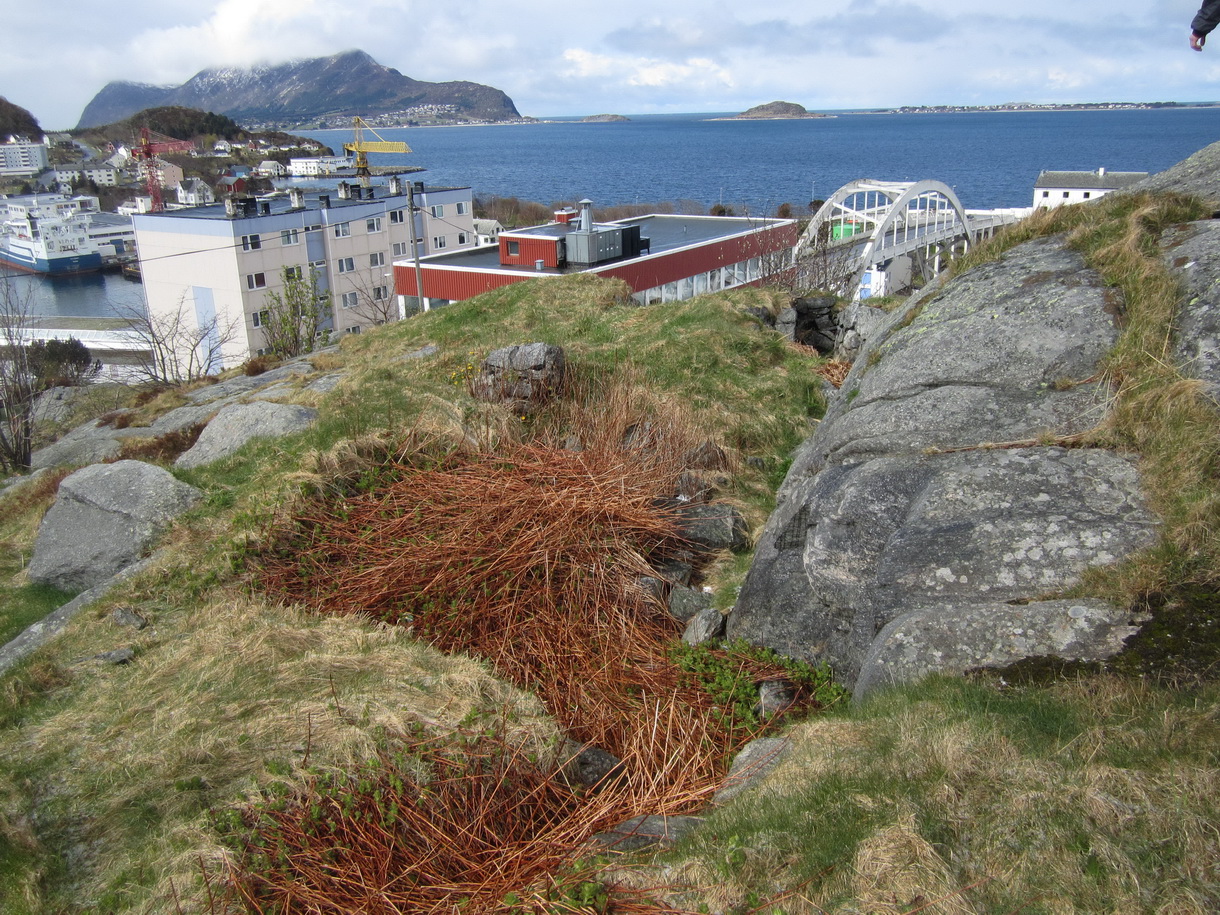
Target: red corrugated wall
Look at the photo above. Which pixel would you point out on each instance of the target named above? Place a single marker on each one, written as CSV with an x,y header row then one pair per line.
x,y
530,249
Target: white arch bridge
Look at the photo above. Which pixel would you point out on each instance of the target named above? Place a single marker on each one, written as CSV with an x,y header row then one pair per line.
x,y
871,236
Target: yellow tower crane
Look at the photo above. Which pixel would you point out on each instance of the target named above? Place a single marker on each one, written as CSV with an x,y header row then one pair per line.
x,y
362,147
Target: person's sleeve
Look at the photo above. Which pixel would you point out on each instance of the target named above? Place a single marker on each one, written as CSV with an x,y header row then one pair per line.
x,y
1207,18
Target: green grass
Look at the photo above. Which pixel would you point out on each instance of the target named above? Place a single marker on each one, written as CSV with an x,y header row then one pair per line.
x,y
1093,795
25,605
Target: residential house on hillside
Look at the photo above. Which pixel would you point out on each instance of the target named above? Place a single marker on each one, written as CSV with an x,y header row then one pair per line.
x,y
221,261
1055,189
101,173
194,192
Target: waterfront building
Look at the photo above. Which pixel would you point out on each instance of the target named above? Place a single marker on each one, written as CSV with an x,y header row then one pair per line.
x,y
218,264
317,166
21,157
661,257
269,168
1055,189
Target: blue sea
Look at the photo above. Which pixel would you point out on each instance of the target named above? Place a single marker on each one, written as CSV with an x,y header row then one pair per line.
x,y
990,158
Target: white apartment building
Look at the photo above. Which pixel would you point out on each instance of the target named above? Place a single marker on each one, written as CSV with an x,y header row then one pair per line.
x,y
318,166
1056,189
103,174
21,157
220,262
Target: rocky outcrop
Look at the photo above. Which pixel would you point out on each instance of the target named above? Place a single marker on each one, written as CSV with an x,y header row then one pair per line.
x,y
238,424
942,481
1192,253
1198,174
524,377
104,519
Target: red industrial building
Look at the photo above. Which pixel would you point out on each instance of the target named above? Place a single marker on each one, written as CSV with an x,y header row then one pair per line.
x,y
661,257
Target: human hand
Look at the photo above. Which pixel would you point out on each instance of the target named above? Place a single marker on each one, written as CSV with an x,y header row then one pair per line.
x,y
1197,41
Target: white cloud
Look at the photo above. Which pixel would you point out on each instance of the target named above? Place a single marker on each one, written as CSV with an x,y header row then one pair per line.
x,y
552,58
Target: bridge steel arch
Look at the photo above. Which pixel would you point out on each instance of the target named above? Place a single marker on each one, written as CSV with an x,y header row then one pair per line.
x,y
886,219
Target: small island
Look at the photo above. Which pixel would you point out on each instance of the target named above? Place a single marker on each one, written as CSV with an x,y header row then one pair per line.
x,y
776,110
604,119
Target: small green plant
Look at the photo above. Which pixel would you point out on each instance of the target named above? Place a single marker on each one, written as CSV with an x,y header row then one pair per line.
x,y
731,673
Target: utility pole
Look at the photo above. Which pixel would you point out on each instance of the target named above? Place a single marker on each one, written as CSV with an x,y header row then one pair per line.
x,y
412,186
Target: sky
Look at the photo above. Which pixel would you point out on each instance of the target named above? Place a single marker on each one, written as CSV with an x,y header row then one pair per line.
x,y
632,57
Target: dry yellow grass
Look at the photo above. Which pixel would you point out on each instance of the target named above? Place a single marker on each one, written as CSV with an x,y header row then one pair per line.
x,y
209,702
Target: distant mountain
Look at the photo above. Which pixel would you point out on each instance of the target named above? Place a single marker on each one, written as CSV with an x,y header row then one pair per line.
x,y
303,92
16,120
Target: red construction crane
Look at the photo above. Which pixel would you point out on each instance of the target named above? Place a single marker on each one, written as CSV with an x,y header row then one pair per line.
x,y
146,151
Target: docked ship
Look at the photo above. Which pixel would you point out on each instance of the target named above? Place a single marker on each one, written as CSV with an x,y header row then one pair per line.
x,y
56,235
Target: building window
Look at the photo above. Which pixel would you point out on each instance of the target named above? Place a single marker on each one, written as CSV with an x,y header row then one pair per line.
x,y
400,249
261,318
293,273
354,329
255,280
343,230
463,238
1087,195
346,265
438,210
251,243
1046,193
461,208
290,237
514,248
438,242
380,292
350,299
397,217
377,259
373,225
1065,195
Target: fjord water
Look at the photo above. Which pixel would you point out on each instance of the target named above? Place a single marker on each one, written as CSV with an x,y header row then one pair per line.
x,y
991,159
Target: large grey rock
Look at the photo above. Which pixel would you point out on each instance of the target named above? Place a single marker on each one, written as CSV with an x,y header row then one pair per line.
x,y
1198,175
238,424
89,443
240,385
523,376
1192,253
953,639
902,500
105,517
